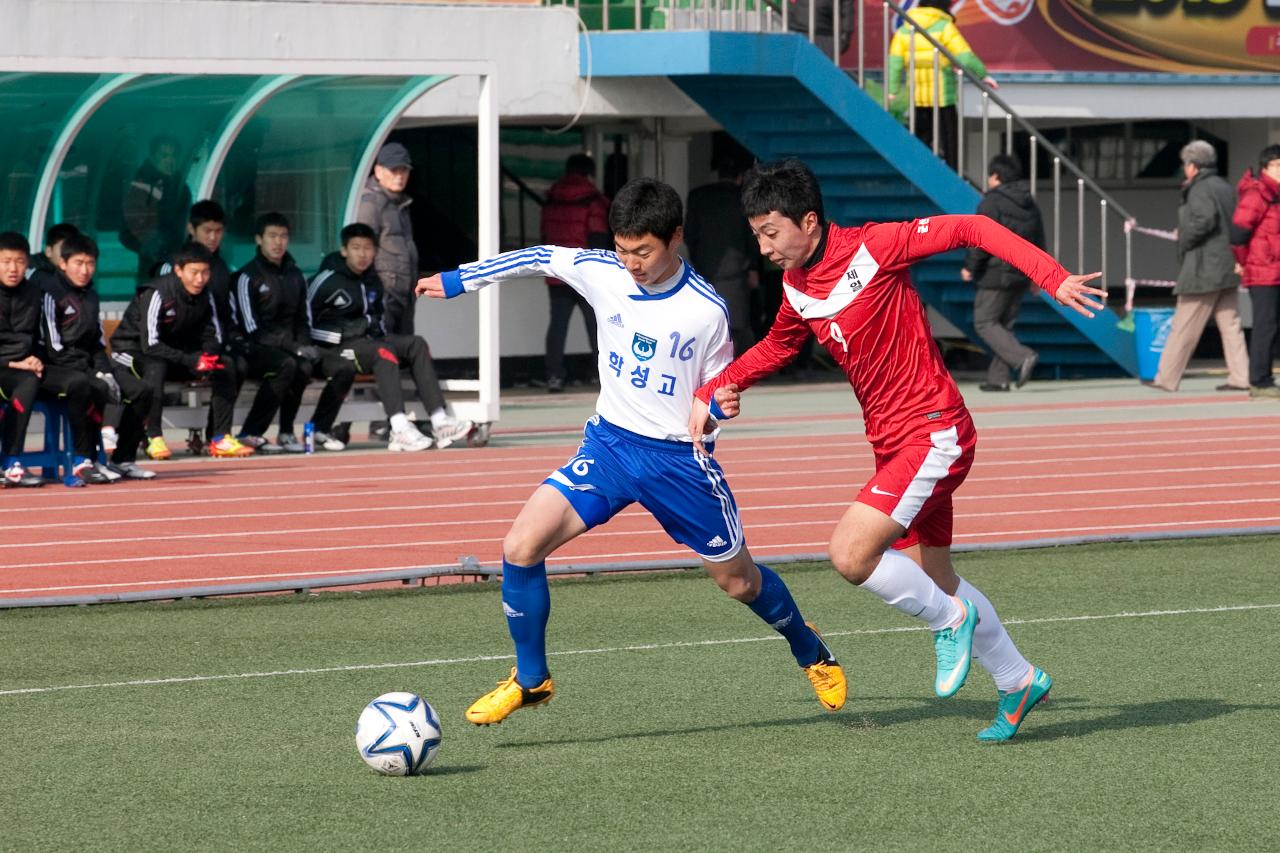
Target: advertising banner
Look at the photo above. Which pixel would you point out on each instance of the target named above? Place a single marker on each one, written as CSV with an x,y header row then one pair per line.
x,y
1181,36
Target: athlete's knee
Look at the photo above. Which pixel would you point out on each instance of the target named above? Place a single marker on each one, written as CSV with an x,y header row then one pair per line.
x,y
523,547
854,562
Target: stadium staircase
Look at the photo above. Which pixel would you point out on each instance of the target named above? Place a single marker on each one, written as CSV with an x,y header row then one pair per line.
x,y
779,95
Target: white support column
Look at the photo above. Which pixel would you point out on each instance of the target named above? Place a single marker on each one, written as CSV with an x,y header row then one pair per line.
x,y
489,187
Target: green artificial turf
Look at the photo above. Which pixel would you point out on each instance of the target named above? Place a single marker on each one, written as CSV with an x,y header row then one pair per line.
x,y
668,732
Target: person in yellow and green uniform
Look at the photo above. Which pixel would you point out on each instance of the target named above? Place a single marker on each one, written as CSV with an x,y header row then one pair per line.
x,y
933,17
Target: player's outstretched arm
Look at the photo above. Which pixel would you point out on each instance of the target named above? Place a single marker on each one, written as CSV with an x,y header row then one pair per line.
x,y
432,286
1074,292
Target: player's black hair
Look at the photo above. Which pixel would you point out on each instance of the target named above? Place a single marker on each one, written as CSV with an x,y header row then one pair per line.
x,y
192,253
787,186
580,164
1271,152
267,220
944,5
78,244
1005,167
14,242
645,206
57,233
357,229
206,210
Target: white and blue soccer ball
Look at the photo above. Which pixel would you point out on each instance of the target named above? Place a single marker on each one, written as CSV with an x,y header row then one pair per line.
x,y
398,734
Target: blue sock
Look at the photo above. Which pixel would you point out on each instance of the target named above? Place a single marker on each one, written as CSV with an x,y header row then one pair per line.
x,y
527,603
778,609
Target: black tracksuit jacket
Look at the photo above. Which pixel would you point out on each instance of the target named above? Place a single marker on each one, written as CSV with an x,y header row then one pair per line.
x,y
164,321
271,303
72,330
344,305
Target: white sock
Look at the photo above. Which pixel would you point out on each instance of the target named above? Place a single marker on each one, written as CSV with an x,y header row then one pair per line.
x,y
399,423
992,646
901,584
439,418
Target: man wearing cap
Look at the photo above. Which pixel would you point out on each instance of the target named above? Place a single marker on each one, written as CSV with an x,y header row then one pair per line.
x,y
384,207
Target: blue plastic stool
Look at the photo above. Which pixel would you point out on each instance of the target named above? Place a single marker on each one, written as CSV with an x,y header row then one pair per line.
x,y
57,458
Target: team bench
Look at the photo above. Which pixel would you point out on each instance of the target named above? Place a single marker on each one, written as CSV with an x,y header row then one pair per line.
x,y
187,407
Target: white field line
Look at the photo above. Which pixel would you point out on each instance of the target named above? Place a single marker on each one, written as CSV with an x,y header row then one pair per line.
x,y
639,647
633,512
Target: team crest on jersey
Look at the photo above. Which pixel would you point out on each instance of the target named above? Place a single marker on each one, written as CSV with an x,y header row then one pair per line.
x,y
643,347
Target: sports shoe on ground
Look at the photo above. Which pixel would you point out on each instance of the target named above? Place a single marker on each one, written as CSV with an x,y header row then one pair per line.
x,y
1025,369
826,675
15,476
1272,391
409,441
953,648
258,444
157,449
990,387
379,431
498,704
325,441
555,385
85,471
289,443
132,471
109,439
228,447
447,432
1014,706
105,470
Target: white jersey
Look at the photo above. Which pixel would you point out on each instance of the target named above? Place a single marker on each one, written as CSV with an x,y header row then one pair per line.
x,y
657,345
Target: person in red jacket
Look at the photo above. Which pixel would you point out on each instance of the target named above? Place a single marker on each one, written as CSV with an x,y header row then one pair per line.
x,y
1257,235
576,215
851,287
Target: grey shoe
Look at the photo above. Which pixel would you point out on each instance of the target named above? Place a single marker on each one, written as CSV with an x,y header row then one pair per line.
x,y
289,443
131,471
1025,369
325,441
1272,391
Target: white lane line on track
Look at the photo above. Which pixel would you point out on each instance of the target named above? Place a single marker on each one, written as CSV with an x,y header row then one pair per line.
x,y
639,647
735,474
629,513
467,505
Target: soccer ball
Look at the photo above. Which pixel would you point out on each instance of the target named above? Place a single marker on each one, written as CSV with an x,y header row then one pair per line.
x,y
398,734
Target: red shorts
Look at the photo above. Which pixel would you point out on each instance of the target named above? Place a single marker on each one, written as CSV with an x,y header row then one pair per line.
x,y
913,484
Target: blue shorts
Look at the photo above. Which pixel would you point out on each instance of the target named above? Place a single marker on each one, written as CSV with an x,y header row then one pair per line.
x,y
684,490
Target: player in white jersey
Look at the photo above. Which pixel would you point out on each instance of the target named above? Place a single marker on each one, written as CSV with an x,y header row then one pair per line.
x,y
662,333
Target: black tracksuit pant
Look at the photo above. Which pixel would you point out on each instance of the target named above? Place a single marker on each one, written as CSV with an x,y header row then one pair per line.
x,y
154,371
384,357
19,389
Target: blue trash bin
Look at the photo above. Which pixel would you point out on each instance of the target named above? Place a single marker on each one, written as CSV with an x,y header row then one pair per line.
x,y
1151,328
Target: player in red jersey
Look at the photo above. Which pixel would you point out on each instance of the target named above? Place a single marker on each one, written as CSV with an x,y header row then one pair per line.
x,y
851,288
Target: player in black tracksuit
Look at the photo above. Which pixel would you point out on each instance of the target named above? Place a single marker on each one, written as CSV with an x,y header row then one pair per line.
x,y
271,303
20,368
346,316
171,330
78,370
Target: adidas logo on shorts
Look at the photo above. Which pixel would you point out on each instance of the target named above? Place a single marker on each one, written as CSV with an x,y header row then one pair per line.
x,y
717,543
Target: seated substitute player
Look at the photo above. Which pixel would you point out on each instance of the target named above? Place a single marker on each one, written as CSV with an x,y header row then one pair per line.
x,y
20,368
170,331
851,288
271,304
78,369
667,333
346,317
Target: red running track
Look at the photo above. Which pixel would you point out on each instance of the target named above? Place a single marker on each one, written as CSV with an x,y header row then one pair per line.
x,y
246,521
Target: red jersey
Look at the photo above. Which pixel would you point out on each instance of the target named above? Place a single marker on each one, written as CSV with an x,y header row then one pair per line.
x,y
858,300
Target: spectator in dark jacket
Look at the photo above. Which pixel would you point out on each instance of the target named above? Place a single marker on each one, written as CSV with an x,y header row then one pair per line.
x,y
78,371
721,246
1257,231
20,368
170,331
1000,286
1206,284
384,207
271,304
576,214
155,204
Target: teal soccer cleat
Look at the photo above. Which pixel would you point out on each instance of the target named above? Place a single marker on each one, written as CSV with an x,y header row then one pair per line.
x,y
954,649
1014,707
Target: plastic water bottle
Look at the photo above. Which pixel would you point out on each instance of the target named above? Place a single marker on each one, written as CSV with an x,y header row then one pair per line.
x,y
309,436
